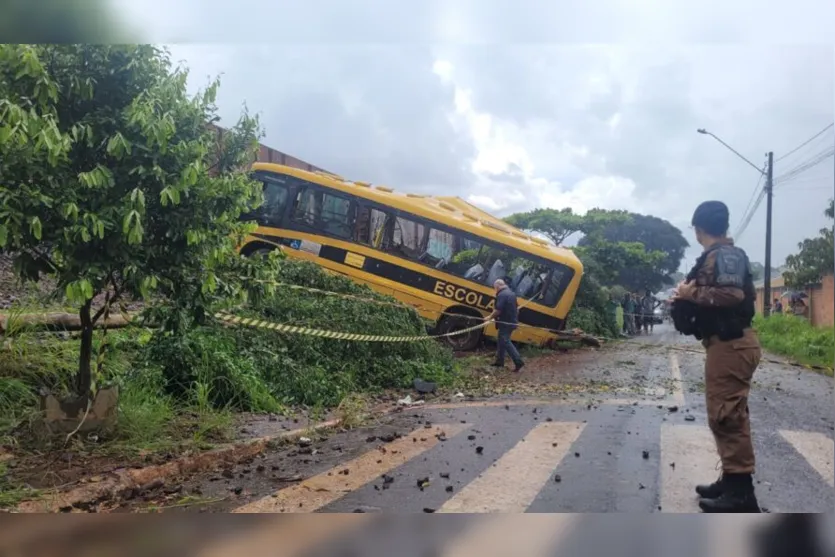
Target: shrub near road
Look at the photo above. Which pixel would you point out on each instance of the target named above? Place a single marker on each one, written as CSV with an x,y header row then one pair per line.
x,y
796,339
260,370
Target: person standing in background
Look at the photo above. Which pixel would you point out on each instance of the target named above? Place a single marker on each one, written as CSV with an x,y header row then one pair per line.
x,y
506,314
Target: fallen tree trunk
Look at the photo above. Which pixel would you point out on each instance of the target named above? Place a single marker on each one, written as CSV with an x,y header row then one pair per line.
x,y
59,322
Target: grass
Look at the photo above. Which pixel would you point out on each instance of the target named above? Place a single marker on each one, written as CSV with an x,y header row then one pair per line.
x,y
12,492
796,339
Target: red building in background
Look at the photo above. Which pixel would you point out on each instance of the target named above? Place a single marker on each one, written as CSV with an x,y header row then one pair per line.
x,y
268,154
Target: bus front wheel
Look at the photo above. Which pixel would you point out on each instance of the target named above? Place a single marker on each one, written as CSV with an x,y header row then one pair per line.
x,y
464,341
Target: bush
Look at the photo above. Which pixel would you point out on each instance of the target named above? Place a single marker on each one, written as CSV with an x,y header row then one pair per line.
x,y
259,370
797,339
591,311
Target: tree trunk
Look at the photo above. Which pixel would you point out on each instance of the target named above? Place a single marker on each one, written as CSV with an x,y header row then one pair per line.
x,y
84,379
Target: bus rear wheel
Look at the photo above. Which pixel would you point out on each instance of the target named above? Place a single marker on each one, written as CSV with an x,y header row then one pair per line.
x,y
464,341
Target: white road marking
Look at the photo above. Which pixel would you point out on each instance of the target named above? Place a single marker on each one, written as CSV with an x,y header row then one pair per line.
x,y
678,386
817,449
688,457
316,492
511,485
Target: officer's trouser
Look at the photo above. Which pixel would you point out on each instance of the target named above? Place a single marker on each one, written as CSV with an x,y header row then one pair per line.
x,y
729,367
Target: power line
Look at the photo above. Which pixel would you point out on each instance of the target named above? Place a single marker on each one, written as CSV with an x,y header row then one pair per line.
x,y
751,200
803,167
805,143
741,230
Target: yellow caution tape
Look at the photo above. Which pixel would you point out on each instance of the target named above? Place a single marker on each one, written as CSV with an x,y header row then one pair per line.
x,y
336,335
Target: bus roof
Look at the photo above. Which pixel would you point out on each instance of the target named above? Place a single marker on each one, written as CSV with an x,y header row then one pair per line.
x,y
446,209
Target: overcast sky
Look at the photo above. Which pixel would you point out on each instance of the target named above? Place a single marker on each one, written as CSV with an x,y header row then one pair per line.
x,y
511,123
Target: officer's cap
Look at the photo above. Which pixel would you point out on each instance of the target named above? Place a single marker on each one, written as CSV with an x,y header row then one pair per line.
x,y
712,217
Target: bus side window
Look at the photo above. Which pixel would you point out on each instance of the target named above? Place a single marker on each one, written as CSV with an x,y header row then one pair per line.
x,y
329,213
275,202
554,288
371,227
408,238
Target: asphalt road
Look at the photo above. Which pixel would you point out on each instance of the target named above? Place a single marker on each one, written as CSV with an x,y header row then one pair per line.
x,y
625,432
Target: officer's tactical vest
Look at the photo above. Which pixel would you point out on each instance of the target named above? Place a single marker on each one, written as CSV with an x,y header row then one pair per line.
x,y
705,322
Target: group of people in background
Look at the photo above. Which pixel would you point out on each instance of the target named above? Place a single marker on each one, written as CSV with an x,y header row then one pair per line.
x,y
796,307
638,313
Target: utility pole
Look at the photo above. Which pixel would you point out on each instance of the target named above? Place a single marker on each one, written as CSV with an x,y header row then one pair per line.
x,y
769,187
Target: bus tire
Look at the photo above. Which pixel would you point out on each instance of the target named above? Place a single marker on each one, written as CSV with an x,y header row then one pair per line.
x,y
463,342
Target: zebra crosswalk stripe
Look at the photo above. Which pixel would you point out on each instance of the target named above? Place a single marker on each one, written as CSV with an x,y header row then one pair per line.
x,y
817,449
514,481
538,454
687,453
318,491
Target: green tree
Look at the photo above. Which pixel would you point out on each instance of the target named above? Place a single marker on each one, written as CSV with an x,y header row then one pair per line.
x,y
557,224
655,234
112,182
815,258
560,224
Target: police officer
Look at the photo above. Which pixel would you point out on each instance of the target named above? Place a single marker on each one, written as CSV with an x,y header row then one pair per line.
x,y
723,291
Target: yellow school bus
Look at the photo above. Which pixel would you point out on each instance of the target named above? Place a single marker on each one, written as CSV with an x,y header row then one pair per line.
x,y
438,254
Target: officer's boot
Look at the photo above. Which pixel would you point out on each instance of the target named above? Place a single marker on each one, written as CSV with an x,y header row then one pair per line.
x,y
712,491
737,496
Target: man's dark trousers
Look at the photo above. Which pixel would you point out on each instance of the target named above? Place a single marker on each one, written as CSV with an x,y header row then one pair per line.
x,y
506,345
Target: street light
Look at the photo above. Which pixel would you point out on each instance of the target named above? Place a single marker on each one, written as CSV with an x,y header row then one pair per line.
x,y
705,132
768,190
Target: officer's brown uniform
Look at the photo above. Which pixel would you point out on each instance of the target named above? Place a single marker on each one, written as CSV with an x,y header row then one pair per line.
x,y
729,367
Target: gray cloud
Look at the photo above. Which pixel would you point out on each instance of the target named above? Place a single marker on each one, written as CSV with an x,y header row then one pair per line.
x,y
379,113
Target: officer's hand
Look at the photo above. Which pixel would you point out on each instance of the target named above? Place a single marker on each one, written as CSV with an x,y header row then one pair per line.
x,y
685,291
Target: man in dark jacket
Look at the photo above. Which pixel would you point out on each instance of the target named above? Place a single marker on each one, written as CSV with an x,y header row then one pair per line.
x,y
506,315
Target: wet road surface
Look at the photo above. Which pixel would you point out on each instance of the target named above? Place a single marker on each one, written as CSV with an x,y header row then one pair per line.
x,y
620,430
631,436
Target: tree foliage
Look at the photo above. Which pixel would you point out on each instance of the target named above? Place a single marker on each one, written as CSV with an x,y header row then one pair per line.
x,y
112,183
560,224
655,235
815,258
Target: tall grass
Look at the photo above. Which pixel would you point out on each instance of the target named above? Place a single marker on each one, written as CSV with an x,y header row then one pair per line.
x,y
794,338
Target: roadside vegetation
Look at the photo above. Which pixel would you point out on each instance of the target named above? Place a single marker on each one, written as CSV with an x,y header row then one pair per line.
x,y
117,198
796,339
620,251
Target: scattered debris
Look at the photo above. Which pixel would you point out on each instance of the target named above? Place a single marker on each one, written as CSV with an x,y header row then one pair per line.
x,y
471,437
227,473
459,395
422,483
449,489
577,455
444,475
641,486
407,401
558,478
428,510
479,450
672,408
690,418
305,441
370,438
645,454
